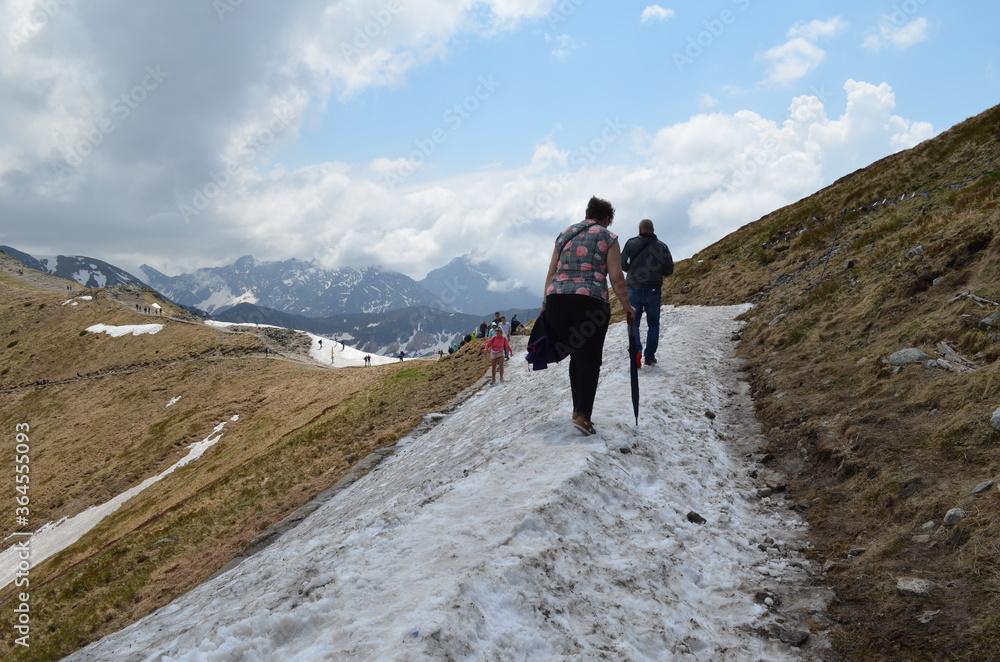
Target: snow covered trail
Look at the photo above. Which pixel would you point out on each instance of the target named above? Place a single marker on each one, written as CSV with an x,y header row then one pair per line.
x,y
502,533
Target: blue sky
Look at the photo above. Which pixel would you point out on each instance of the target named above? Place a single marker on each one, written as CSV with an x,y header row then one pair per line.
x,y
405,133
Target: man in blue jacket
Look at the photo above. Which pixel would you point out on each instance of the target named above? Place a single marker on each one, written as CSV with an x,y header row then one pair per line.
x,y
646,261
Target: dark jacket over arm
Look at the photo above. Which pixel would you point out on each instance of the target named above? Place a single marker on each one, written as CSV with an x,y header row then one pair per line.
x,y
646,261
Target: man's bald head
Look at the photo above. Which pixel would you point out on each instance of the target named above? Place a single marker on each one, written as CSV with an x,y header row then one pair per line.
x,y
645,225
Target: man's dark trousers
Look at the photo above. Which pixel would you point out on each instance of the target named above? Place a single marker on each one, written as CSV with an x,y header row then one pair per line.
x,y
647,299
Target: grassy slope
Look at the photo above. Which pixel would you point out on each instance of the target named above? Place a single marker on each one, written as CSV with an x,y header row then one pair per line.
x,y
300,429
873,453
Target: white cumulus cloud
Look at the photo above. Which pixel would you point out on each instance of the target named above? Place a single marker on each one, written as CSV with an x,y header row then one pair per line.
x,y
891,34
799,55
656,13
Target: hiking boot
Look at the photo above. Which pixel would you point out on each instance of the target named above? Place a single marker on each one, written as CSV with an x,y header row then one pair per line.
x,y
650,360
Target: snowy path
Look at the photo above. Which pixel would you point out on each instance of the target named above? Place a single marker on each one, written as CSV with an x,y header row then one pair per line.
x,y
504,534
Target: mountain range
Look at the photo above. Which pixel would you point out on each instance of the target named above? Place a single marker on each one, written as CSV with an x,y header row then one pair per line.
x,y
303,287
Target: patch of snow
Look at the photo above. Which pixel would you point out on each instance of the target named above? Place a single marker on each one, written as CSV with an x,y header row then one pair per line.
x,y
118,331
173,401
57,536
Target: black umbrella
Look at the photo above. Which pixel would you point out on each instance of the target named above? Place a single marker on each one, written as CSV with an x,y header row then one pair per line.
x,y
634,358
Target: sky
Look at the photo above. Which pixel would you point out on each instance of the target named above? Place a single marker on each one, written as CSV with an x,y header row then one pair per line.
x,y
404,133
508,535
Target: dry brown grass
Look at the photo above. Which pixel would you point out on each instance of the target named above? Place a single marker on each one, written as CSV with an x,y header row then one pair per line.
x,y
300,429
874,453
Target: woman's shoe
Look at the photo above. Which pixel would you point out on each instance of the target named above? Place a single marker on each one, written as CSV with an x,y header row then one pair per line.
x,y
583,425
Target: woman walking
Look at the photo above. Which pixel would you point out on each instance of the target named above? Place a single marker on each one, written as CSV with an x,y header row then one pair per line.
x,y
585,257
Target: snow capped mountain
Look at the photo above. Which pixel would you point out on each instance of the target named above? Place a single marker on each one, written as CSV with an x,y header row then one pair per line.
x,y
87,271
292,286
479,288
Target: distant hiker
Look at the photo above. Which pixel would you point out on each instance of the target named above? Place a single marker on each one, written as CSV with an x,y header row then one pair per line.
x,y
514,323
496,348
321,343
482,329
401,353
647,262
575,302
493,330
496,317
506,331
368,359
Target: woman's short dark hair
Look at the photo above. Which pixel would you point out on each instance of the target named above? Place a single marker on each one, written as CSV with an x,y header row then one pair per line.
x,y
599,210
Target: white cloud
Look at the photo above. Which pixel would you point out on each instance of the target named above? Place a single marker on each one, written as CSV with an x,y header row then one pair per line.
x,y
706,101
890,34
656,13
800,55
699,180
792,60
564,45
816,28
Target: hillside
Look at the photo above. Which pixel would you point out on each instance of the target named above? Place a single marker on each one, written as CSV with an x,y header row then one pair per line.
x,y
118,410
901,254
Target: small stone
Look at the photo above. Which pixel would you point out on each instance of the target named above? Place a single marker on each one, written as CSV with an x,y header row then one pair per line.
x,y
982,487
929,525
794,637
830,566
990,322
857,551
709,414
954,516
921,539
995,420
625,450
915,251
765,492
695,518
914,586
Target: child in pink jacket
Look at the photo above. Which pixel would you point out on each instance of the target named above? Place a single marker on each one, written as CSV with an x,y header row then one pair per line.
x,y
495,347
